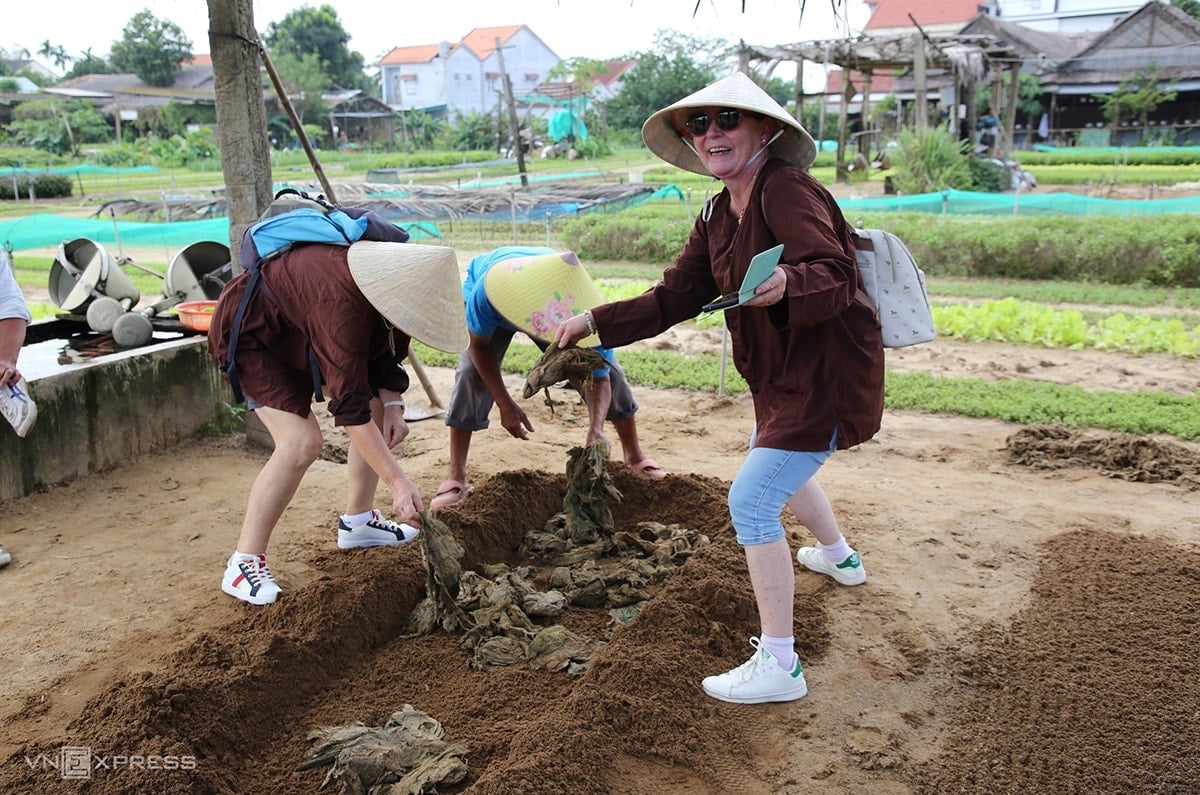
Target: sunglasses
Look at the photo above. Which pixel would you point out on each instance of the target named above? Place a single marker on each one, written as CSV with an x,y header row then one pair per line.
x,y
727,119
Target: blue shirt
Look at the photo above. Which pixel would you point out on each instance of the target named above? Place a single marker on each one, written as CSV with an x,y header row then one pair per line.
x,y
482,318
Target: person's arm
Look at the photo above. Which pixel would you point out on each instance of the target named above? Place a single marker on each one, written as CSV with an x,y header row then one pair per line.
x,y
406,499
12,337
512,416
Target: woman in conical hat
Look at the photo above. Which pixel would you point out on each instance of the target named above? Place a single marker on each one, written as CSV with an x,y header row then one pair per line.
x,y
811,354
338,319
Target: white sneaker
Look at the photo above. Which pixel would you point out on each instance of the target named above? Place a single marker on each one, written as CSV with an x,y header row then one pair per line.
x,y
377,532
18,407
247,577
849,572
5,558
758,680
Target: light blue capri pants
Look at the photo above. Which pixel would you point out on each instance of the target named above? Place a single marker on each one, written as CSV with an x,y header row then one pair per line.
x,y
767,479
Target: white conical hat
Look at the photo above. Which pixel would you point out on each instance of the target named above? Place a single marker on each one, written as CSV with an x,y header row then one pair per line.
x,y
662,136
417,288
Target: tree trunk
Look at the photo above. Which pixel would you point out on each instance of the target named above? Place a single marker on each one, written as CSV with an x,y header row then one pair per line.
x,y
241,115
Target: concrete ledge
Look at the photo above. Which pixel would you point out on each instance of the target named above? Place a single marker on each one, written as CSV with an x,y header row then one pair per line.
x,y
96,416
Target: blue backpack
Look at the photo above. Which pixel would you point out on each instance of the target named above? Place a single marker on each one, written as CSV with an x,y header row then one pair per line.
x,y
292,218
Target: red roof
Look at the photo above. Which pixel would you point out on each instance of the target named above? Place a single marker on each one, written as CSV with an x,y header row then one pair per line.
x,y
894,13
482,41
421,53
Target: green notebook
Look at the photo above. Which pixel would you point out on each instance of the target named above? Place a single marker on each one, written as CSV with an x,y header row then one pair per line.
x,y
761,266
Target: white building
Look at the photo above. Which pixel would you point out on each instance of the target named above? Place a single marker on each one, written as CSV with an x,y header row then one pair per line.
x,y
1066,16
452,80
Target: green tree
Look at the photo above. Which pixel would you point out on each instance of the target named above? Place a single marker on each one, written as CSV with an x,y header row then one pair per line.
x,y
1189,7
474,131
305,81
678,66
54,53
88,64
418,129
57,126
1029,93
318,31
152,49
1137,97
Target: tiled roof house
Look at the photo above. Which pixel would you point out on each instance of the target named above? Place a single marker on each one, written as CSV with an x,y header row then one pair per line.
x,y
455,79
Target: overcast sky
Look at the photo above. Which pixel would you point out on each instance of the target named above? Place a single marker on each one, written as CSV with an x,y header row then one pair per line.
x,y
571,28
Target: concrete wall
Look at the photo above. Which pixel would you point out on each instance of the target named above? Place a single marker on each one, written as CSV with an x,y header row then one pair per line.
x,y
93,417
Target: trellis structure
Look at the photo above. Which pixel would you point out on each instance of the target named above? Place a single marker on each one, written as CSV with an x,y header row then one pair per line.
x,y
969,60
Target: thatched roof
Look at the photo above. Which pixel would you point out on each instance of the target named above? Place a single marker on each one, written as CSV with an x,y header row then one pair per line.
x,y
966,55
1155,36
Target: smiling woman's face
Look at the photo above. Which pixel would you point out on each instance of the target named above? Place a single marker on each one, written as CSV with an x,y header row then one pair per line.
x,y
724,138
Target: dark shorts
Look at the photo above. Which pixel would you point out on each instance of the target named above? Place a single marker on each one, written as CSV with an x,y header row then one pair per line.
x,y
471,402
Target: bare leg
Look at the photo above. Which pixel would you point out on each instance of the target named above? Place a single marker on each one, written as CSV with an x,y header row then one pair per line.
x,y
297,445
774,581
460,446
630,445
598,400
360,493
811,506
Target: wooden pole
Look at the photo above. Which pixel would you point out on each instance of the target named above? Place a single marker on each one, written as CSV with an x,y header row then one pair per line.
x,y
281,93
513,130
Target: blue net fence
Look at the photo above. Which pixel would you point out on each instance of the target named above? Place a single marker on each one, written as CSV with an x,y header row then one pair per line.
x,y
958,202
419,214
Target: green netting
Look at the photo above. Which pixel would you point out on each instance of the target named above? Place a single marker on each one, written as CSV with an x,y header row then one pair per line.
x,y
959,202
1106,150
48,231
82,168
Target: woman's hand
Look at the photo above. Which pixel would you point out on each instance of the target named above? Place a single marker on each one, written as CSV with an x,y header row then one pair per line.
x,y
572,330
406,501
771,290
395,429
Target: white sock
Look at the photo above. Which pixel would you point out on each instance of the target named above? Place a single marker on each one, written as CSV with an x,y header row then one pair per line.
x,y
356,520
837,552
782,649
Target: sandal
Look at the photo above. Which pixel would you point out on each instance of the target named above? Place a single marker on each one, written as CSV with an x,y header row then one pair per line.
x,y
450,494
649,469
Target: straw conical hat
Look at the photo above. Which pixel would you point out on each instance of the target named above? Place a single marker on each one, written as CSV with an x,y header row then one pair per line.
x,y
536,294
417,288
662,136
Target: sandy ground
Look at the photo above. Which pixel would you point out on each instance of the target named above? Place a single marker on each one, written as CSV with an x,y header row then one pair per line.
x,y
1022,629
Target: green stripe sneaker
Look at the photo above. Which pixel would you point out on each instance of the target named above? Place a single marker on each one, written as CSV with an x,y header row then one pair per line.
x,y
759,680
849,572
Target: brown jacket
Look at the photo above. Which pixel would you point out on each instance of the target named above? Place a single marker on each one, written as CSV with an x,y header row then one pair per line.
x,y
308,296
814,360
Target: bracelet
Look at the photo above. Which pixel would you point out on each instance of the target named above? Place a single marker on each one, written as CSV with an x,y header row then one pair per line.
x,y
392,403
591,324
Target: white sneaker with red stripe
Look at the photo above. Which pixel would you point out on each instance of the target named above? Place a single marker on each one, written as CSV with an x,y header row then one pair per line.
x,y
247,577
